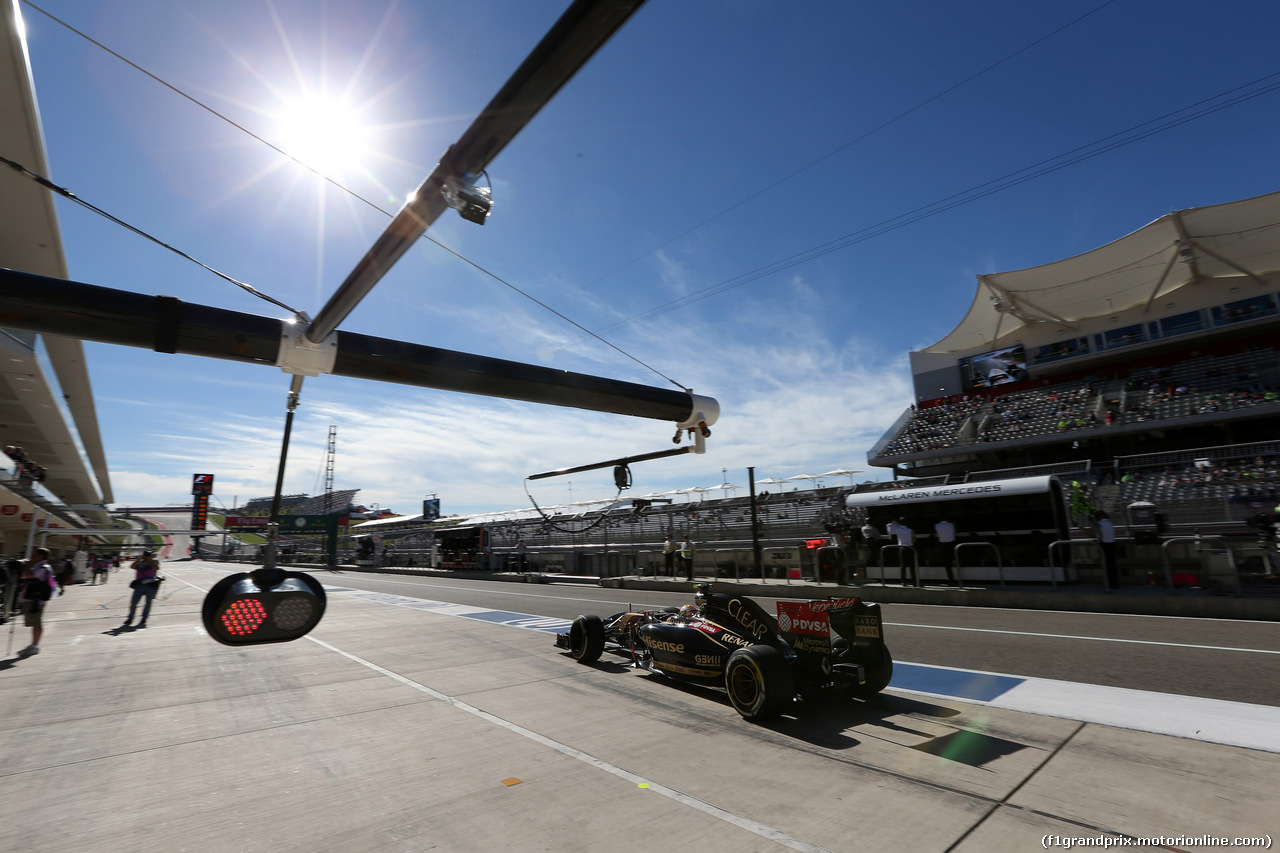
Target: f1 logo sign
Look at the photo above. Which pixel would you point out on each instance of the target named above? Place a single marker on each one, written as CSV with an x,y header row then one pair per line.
x,y
202,484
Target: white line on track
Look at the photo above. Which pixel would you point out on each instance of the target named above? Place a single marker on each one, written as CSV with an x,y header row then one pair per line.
x,y
894,624
1193,717
1078,637
746,823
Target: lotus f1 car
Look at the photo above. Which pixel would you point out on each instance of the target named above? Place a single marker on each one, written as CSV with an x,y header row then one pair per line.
x,y
827,647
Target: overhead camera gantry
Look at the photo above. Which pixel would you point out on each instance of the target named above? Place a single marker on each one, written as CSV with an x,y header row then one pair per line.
x,y
271,605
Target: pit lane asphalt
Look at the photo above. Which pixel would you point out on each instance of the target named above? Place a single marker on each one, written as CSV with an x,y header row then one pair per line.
x,y
394,729
1233,660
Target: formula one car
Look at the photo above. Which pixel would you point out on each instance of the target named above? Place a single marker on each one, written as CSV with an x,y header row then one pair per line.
x,y
825,647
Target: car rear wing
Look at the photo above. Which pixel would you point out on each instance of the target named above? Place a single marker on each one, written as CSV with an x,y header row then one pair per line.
x,y
811,626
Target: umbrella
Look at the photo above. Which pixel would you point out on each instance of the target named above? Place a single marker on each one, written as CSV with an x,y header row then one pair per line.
x,y
842,472
688,491
770,481
806,477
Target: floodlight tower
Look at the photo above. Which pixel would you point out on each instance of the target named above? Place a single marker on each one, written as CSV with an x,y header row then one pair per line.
x,y
330,453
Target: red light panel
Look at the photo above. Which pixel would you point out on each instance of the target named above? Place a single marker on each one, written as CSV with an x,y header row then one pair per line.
x,y
244,616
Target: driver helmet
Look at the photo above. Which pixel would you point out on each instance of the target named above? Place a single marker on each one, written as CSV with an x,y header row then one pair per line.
x,y
689,611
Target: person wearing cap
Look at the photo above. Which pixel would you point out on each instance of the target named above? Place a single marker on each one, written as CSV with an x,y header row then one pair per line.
x,y
146,583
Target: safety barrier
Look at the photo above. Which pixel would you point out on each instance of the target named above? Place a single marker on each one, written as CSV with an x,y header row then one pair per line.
x,y
715,557
993,547
1053,576
789,553
1226,549
645,560
915,563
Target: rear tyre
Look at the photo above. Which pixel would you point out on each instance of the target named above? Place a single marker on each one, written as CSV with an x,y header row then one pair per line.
x,y
759,682
586,639
878,676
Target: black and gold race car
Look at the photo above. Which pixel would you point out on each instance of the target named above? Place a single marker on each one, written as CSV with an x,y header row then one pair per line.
x,y
826,647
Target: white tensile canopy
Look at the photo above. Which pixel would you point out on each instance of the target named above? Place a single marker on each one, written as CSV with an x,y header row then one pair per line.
x,y
1240,239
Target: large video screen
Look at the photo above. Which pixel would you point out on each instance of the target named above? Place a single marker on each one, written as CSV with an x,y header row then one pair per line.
x,y
999,367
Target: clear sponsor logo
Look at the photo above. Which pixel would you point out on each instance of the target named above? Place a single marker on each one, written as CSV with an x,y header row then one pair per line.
x,y
749,622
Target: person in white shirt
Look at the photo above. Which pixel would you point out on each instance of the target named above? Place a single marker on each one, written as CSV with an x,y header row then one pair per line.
x,y
1105,532
946,533
906,537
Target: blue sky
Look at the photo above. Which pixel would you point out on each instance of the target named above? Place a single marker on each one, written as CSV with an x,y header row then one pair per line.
x,y
705,142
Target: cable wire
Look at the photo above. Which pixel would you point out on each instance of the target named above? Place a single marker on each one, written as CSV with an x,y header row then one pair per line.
x,y
336,184
854,141
1061,161
70,196
548,519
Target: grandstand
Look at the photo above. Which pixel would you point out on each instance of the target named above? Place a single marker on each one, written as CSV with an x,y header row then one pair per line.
x,y
1144,373
1158,346
339,501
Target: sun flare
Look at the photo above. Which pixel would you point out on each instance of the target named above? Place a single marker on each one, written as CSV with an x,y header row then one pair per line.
x,y
326,134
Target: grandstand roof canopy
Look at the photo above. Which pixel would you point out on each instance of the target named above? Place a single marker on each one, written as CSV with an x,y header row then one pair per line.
x,y
1240,239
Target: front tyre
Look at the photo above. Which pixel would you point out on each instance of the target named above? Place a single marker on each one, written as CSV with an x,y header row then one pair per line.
x,y
586,639
878,676
759,682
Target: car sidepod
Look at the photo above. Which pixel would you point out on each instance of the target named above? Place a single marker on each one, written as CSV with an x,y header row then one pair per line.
x,y
694,649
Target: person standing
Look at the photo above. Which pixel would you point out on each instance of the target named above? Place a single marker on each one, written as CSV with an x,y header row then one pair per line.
x,y
1105,532
669,556
146,584
38,584
946,533
907,539
686,557
871,536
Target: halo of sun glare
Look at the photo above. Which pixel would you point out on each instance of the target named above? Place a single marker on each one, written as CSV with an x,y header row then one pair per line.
x,y
327,134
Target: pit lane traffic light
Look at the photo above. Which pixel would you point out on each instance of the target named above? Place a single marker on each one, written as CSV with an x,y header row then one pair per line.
x,y
264,606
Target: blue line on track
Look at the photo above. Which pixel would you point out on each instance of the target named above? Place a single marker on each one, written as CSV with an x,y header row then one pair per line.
x,y
952,682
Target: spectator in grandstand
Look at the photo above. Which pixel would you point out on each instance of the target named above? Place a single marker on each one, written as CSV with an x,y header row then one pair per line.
x,y
1105,532
946,533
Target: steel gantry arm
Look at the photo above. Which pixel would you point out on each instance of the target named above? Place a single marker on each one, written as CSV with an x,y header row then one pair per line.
x,y
581,31
54,306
